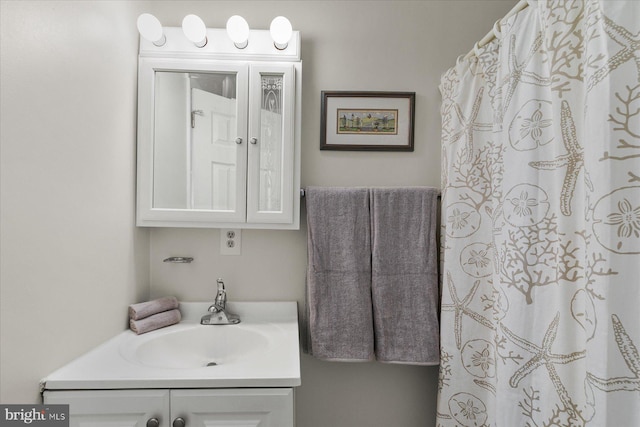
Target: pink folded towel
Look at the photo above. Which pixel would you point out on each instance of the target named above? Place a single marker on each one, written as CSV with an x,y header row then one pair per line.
x,y
155,321
145,309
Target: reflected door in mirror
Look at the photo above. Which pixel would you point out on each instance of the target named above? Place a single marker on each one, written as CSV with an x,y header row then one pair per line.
x,y
214,156
196,157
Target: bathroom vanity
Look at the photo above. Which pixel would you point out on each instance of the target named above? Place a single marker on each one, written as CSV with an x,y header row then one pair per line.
x,y
189,374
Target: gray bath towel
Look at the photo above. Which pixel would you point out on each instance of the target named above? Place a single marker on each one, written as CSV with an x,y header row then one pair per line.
x,y
155,321
145,309
339,312
404,275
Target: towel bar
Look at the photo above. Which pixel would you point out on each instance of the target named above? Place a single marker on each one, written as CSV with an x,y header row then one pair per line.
x,y
302,194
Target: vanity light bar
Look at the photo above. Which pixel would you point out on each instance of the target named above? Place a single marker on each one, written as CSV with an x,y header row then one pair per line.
x,y
194,40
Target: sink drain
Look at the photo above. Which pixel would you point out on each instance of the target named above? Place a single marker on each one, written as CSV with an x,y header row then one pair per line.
x,y
211,364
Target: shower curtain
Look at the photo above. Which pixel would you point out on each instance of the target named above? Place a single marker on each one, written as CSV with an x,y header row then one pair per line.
x,y
541,222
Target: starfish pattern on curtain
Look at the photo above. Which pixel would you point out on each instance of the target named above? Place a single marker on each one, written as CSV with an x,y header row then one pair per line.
x,y
541,222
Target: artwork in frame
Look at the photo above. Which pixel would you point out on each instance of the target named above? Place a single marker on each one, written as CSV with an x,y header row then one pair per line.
x,y
369,121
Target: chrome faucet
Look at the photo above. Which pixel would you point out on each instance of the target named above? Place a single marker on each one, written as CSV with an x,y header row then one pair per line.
x,y
218,314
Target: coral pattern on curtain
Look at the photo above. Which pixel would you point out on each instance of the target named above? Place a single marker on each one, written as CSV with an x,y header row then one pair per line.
x,y
541,222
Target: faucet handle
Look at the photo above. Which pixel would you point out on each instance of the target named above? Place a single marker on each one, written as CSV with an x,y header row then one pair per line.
x,y
221,295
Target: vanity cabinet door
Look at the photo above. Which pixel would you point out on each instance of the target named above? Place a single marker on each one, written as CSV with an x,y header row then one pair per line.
x,y
192,142
234,407
122,408
270,171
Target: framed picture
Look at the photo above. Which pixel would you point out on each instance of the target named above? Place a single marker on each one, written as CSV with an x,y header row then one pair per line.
x,y
370,121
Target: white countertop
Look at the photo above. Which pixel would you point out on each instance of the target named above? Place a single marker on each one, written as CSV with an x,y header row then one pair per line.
x,y
113,364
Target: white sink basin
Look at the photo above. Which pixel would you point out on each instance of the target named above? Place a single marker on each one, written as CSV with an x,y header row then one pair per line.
x,y
198,346
261,351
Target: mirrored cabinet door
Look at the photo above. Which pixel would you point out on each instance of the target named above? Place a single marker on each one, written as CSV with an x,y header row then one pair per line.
x,y
271,139
195,162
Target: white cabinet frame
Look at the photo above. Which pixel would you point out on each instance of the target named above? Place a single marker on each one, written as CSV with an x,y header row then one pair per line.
x,y
247,213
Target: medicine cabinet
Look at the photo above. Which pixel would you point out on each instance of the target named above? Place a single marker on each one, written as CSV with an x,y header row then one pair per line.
x,y
219,136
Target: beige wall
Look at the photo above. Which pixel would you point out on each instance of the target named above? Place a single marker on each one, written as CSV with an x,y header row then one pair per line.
x,y
71,257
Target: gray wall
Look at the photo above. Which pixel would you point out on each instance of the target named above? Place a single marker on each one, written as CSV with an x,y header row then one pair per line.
x,y
72,259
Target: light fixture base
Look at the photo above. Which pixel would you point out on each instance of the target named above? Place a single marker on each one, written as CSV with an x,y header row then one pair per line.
x,y
202,43
218,46
241,45
160,42
281,46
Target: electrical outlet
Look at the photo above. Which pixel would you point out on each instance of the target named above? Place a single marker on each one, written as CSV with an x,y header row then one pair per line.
x,y
230,241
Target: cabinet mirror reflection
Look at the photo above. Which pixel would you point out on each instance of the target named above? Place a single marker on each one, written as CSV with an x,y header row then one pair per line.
x,y
195,154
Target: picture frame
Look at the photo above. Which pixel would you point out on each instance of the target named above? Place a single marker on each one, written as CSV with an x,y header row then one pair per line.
x,y
367,121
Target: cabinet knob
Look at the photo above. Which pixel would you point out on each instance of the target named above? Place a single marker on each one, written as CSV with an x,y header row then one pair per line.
x,y
179,422
153,422
253,140
238,140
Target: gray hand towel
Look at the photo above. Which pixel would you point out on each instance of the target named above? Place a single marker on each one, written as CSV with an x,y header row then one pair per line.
x,y
404,275
339,312
155,321
145,309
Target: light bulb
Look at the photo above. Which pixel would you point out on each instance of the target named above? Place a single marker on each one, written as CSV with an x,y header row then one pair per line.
x,y
238,31
281,32
150,28
195,30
